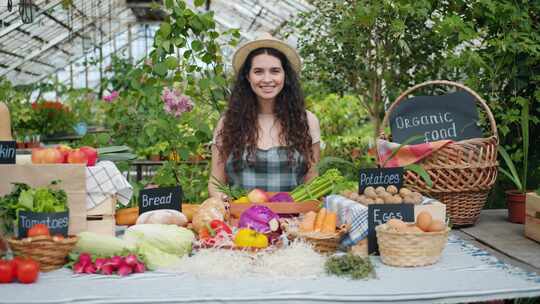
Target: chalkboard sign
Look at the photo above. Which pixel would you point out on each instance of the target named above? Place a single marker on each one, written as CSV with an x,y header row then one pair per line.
x,y
452,116
160,198
58,222
380,177
379,214
8,152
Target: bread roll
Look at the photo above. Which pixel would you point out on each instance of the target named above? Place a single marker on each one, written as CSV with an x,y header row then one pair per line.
x,y
163,216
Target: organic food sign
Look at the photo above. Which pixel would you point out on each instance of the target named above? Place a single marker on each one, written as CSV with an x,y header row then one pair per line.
x,y
375,177
57,222
8,152
379,214
160,198
452,116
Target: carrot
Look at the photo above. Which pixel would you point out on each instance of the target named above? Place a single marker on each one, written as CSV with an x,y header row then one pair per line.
x,y
320,219
329,224
308,222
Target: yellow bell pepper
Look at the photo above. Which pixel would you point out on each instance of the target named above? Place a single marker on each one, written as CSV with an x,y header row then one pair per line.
x,y
250,238
242,199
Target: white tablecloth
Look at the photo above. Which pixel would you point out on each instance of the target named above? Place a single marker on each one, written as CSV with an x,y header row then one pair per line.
x,y
464,274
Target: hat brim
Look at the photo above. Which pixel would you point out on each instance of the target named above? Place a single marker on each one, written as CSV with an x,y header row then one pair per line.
x,y
242,53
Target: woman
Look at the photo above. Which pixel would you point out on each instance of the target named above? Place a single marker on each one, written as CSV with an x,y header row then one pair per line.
x,y
5,122
266,139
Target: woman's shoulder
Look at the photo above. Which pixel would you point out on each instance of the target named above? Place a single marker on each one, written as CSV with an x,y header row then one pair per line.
x,y
314,128
312,119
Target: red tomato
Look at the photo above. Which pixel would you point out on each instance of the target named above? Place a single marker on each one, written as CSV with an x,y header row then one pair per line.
x,y
38,229
27,271
6,271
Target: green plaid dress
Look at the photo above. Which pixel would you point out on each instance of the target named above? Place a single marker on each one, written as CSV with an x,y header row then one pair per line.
x,y
270,172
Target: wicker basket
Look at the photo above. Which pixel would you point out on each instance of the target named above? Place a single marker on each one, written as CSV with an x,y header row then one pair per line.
x,y
322,243
462,172
49,252
410,249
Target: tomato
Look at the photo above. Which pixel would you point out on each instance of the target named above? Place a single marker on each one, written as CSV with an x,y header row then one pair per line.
x,y
38,229
6,271
27,271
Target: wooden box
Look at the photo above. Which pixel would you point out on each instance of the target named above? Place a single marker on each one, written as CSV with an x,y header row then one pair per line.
x,y
280,208
100,219
532,216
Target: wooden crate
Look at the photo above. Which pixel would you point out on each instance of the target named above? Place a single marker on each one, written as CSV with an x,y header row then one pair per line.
x,y
532,216
100,219
280,208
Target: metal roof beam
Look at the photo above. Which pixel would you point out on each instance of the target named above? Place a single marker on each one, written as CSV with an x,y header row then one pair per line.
x,y
20,56
51,44
19,22
41,40
21,70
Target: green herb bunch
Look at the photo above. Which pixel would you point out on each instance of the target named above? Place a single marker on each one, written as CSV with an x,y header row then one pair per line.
x,y
349,265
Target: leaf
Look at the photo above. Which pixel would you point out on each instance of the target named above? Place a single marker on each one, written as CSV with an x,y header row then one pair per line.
x,y
198,3
113,149
161,69
204,83
421,172
514,177
165,29
172,62
196,45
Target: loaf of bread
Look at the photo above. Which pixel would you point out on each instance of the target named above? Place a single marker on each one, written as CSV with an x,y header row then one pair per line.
x,y
163,216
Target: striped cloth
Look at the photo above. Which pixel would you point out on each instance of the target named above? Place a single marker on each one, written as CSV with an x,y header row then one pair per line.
x,y
351,213
408,154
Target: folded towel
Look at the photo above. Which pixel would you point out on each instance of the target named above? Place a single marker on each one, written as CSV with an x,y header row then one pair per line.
x,y
104,180
408,154
349,212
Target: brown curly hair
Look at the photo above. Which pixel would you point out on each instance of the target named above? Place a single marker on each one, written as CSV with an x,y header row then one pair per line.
x,y
239,130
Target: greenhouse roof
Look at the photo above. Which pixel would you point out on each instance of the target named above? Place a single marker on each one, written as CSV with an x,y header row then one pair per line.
x,y
47,37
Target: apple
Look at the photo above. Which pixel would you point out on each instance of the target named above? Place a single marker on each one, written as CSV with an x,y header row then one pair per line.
x,y
46,156
37,155
64,149
91,153
77,156
258,196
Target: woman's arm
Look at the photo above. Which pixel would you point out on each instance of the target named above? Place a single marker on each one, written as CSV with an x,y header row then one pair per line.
x,y
5,125
217,172
312,172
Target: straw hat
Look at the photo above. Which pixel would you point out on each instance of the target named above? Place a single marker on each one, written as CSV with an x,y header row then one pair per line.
x,y
266,41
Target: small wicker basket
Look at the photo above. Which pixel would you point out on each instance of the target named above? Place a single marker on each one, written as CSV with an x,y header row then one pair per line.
x,y
49,252
410,249
322,243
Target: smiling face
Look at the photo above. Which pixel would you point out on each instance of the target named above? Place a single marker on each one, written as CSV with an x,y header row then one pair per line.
x,y
266,77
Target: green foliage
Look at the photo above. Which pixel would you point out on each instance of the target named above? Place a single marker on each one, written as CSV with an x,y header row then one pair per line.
x,y
371,49
193,177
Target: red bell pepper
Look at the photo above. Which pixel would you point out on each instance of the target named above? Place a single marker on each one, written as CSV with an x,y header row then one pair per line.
x,y
219,226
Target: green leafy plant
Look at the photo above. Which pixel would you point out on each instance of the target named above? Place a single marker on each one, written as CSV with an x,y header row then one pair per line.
x,y
519,180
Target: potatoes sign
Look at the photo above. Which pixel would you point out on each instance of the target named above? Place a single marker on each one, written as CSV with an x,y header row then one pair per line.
x,y
453,116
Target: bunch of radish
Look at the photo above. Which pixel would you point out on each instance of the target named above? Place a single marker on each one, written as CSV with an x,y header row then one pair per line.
x,y
120,265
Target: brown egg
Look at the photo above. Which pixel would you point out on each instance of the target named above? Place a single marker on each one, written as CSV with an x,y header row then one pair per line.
x,y
397,224
436,225
424,220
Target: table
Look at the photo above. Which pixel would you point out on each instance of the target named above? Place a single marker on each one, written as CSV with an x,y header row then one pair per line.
x,y
465,273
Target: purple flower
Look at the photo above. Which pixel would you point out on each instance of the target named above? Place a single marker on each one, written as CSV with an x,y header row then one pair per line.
x,y
111,97
175,102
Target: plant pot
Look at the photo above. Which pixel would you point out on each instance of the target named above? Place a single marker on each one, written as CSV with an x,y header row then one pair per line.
x,y
127,216
515,202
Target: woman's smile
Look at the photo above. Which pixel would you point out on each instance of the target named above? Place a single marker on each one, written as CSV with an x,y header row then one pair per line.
x,y
266,77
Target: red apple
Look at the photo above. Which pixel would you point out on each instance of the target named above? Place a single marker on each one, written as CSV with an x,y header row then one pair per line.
x,y
64,149
77,157
257,196
91,153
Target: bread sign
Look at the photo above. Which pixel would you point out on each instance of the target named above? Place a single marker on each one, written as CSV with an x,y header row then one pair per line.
x,y
160,198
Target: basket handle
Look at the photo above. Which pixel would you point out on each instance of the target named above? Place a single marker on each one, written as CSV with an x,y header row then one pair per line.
x,y
402,97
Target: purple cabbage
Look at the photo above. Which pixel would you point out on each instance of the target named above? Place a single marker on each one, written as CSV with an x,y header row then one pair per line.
x,y
259,218
281,197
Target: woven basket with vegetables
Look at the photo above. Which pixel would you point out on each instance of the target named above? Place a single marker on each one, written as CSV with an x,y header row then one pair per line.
x,y
49,251
319,229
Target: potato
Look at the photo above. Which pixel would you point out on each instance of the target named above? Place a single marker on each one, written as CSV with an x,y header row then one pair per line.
x,y
417,198
392,189
363,200
370,192
355,196
370,201
397,199
409,199
380,190
387,198
404,192
379,200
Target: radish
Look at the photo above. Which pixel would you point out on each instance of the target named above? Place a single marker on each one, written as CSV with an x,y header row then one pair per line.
x,y
85,258
131,260
78,267
90,268
124,270
139,267
107,269
99,263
